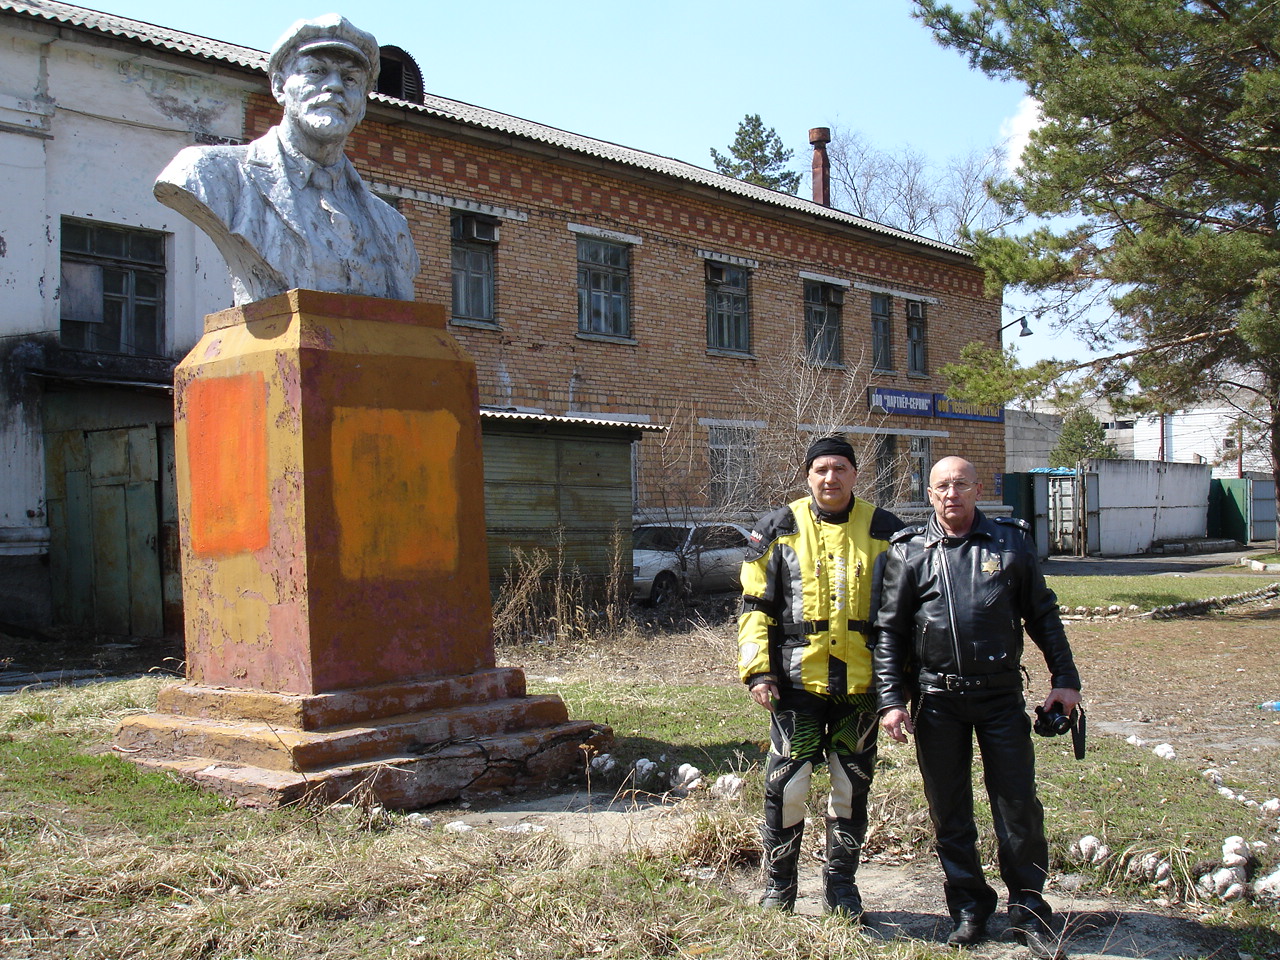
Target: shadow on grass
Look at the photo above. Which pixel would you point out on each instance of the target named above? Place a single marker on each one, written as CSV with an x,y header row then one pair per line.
x,y
685,613
1113,933
1147,599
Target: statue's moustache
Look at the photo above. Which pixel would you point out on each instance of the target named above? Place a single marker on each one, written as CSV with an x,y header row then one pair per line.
x,y
328,100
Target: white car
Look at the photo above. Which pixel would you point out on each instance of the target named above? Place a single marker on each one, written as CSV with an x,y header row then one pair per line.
x,y
674,558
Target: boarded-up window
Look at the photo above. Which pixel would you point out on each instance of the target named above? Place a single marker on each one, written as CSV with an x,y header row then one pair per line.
x,y
112,289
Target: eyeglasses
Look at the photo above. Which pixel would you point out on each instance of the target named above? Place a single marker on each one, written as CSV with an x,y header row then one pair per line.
x,y
959,486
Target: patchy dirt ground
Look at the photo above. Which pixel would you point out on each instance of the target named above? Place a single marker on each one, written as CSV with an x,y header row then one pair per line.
x,y
1193,683
56,652
904,899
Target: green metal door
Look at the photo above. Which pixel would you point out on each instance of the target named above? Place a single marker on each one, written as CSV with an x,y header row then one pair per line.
x,y
1229,509
104,547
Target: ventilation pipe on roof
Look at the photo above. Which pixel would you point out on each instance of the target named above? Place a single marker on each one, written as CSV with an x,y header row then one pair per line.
x,y
819,137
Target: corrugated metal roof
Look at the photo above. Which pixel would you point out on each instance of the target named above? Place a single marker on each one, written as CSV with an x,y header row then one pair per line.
x,y
465,113
139,30
488,414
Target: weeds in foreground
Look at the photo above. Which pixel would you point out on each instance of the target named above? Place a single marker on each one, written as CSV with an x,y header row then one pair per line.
x,y
134,864
100,860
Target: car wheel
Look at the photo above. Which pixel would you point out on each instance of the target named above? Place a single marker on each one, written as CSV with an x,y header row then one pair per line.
x,y
665,589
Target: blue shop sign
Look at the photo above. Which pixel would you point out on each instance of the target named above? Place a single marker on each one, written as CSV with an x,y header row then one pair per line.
x,y
902,402
944,406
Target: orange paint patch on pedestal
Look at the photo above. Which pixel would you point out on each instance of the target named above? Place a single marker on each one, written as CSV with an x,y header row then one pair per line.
x,y
227,463
395,492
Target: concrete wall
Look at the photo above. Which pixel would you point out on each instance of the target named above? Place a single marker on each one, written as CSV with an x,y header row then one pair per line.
x,y
1137,502
1029,436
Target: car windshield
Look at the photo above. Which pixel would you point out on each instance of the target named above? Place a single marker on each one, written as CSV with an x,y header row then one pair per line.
x,y
668,539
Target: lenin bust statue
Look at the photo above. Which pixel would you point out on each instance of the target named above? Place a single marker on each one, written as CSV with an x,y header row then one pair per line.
x,y
288,209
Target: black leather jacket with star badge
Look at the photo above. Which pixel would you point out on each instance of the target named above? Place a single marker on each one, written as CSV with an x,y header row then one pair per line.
x,y
955,607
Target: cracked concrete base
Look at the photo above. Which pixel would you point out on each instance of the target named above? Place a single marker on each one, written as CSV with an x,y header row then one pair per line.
x,y
404,746
458,770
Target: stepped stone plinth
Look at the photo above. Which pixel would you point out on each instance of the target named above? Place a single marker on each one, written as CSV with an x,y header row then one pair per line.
x,y
335,575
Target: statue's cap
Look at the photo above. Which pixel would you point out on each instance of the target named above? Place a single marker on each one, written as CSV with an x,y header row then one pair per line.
x,y
328,32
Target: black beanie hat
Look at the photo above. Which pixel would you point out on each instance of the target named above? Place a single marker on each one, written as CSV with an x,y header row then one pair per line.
x,y
833,446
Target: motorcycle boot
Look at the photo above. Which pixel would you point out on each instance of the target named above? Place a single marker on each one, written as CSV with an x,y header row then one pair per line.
x,y
844,853
781,865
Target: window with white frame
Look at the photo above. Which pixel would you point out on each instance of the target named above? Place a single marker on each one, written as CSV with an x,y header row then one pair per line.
x,y
881,331
604,280
732,464
474,248
917,337
822,306
111,293
728,308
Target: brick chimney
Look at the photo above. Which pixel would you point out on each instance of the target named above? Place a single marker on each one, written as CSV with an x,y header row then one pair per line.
x,y
819,137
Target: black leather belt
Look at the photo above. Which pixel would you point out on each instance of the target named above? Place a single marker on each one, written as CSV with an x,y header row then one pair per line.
x,y
817,626
953,683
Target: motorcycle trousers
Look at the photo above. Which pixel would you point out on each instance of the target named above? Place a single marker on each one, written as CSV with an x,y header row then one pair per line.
x,y
806,730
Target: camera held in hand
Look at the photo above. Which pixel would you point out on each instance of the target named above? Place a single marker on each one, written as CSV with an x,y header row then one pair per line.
x,y
1053,723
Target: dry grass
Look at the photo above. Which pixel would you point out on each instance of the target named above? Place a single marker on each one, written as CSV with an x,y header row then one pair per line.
x,y
543,601
91,710
350,881
200,880
324,885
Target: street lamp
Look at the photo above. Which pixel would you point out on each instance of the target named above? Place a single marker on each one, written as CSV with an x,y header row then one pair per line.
x,y
1026,331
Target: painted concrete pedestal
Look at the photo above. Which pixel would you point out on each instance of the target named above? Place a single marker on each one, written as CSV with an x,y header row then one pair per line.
x,y
335,580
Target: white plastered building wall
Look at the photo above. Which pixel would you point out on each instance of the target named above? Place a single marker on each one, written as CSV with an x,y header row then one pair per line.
x,y
86,124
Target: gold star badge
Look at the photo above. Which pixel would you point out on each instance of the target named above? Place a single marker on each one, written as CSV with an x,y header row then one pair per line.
x,y
991,565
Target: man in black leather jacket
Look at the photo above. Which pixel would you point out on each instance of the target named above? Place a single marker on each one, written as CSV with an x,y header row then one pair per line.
x,y
956,595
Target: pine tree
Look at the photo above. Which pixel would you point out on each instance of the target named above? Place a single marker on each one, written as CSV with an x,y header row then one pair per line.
x,y
757,156
1082,436
1159,153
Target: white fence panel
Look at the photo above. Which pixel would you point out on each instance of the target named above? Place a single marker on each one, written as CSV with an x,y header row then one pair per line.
x,y
1143,501
1262,509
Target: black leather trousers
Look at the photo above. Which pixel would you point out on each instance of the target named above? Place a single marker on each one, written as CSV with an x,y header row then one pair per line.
x,y
945,729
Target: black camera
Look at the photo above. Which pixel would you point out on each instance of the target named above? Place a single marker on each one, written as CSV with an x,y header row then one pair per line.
x,y
1053,723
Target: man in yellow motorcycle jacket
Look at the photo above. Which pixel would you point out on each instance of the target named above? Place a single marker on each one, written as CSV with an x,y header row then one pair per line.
x,y
808,584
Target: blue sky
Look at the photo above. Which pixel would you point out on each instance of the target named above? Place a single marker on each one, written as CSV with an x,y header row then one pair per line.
x,y
672,77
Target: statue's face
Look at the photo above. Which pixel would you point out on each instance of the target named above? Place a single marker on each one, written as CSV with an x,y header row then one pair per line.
x,y
323,93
